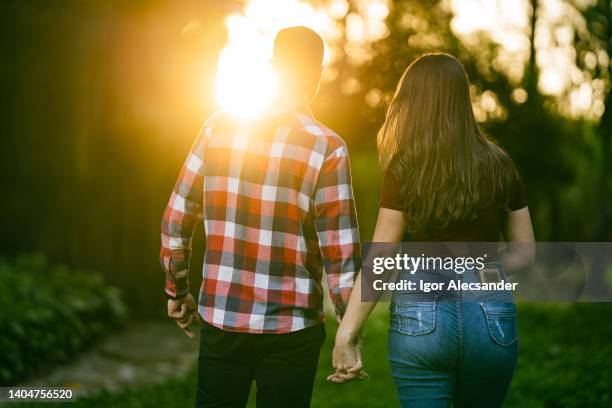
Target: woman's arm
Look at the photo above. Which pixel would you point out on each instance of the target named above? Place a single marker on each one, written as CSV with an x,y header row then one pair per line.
x,y
520,250
390,227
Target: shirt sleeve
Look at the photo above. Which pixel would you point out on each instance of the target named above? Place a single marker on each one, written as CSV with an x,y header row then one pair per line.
x,y
390,196
183,212
337,228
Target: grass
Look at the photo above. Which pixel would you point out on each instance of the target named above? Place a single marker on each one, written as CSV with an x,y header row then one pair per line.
x,y
564,361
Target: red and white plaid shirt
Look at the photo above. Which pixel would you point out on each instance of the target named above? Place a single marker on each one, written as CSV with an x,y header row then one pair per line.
x,y
276,198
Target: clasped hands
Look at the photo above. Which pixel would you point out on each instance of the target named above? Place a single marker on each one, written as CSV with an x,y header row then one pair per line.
x,y
347,360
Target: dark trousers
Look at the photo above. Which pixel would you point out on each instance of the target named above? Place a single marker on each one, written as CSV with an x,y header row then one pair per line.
x,y
283,367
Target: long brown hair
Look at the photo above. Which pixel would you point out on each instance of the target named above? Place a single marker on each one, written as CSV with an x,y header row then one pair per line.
x,y
431,142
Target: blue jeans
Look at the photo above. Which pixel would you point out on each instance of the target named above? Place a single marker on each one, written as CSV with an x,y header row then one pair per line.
x,y
448,350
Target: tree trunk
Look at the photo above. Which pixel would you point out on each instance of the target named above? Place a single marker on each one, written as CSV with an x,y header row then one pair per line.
x,y
605,130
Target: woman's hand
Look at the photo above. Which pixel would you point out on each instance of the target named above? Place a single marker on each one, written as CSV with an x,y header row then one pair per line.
x,y
390,227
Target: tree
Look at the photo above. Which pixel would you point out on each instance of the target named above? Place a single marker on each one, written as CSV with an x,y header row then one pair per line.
x,y
539,139
593,54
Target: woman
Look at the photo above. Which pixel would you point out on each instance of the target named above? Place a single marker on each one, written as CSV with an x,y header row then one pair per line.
x,y
444,181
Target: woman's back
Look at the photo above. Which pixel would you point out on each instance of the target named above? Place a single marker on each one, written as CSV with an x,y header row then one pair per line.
x,y
449,180
445,182
485,225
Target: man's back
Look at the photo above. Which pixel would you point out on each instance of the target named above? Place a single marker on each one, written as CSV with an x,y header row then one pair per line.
x,y
276,198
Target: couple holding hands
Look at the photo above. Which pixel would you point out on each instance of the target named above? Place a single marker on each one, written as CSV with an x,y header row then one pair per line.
x,y
275,195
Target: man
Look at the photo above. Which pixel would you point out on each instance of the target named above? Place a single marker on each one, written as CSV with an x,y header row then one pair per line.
x,y
276,198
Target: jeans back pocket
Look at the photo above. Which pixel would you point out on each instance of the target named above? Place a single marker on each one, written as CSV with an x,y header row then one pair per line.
x,y
414,318
501,321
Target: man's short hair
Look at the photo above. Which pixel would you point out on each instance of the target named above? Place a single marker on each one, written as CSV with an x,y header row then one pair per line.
x,y
298,53
298,46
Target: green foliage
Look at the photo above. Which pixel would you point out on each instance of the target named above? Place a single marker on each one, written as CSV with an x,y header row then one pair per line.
x,y
564,361
48,314
560,158
565,356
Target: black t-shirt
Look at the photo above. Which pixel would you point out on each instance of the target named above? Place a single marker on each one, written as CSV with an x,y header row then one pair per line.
x,y
486,227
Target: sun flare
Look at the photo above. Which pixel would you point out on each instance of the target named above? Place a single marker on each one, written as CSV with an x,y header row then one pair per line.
x,y
246,82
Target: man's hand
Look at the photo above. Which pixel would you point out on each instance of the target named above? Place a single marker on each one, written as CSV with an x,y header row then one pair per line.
x,y
185,312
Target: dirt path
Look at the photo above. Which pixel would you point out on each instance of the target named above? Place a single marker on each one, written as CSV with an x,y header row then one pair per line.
x,y
143,353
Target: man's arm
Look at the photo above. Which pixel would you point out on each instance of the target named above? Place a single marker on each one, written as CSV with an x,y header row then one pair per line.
x,y
183,212
336,225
